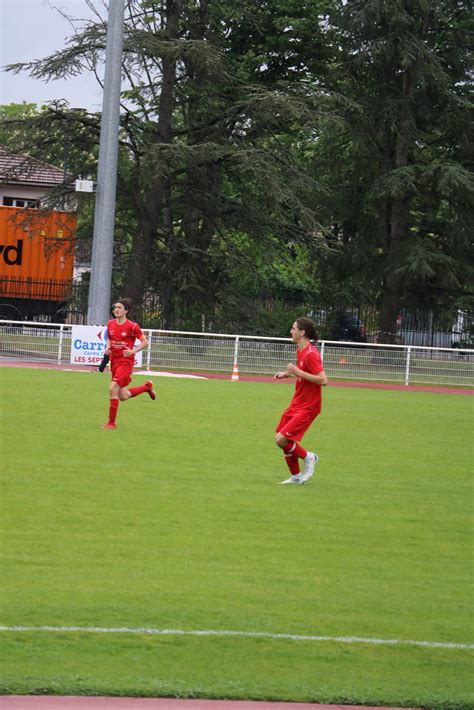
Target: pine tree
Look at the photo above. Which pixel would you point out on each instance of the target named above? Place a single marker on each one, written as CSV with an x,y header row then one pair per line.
x,y
206,142
407,177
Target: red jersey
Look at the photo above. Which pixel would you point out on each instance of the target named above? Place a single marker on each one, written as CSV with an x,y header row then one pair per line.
x,y
122,336
307,394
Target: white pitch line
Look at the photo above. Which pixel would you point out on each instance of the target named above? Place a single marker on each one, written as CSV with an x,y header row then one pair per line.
x,y
245,634
187,375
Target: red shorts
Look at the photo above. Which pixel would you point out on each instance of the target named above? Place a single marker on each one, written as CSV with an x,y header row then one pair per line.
x,y
122,371
293,425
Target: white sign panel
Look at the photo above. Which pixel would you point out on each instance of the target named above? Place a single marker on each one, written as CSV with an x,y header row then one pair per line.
x,y
84,186
88,343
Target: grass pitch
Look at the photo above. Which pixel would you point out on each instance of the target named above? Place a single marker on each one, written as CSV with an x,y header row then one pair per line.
x,y
174,521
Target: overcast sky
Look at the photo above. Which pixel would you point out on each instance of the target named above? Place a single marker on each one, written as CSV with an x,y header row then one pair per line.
x,y
33,29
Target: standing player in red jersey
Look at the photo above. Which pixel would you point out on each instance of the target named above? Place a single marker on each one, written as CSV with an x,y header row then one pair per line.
x,y
305,404
121,336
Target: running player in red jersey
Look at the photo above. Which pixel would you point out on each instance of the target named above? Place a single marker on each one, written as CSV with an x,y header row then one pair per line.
x,y
305,404
121,336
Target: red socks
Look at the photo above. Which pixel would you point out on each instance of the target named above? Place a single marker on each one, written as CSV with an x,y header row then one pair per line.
x,y
114,403
134,391
293,452
140,389
293,464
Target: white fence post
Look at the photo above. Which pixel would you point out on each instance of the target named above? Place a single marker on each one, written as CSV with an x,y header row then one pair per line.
x,y
60,348
407,367
322,351
235,369
148,352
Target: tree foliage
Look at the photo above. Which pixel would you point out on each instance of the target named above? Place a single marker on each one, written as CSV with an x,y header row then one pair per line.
x,y
288,151
404,159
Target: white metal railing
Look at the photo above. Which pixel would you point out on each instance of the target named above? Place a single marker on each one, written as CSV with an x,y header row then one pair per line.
x,y
258,355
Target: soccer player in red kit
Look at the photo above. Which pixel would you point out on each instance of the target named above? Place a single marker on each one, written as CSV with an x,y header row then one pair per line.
x,y
305,404
121,336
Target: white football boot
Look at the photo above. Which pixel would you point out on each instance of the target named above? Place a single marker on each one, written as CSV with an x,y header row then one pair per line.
x,y
297,478
309,465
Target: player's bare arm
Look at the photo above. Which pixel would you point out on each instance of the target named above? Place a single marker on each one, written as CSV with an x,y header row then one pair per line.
x,y
281,375
319,379
137,348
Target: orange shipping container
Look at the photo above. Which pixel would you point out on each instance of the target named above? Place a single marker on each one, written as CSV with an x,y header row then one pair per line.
x,y
36,253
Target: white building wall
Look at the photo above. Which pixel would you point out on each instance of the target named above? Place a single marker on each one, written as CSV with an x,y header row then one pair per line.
x,y
24,191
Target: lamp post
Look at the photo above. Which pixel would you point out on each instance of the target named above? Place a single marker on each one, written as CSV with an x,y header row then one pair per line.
x,y
104,217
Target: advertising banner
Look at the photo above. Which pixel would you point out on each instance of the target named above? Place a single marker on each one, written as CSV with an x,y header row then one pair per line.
x,y
88,343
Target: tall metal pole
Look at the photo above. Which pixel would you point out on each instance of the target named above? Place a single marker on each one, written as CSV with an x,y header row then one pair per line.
x,y
104,218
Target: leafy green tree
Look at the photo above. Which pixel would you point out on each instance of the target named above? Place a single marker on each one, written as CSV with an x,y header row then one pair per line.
x,y
11,117
285,151
403,208
209,138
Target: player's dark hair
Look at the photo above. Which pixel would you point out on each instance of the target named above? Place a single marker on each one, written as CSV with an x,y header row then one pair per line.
x,y
309,328
125,303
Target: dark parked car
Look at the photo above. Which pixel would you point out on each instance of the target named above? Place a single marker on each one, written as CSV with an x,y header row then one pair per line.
x,y
349,327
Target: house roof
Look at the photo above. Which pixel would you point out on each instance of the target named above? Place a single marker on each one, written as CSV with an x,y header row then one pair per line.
x,y
22,169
